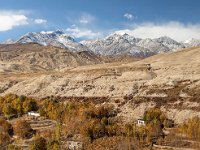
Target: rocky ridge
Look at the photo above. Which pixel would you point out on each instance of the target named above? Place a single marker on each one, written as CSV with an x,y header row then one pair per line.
x,y
112,45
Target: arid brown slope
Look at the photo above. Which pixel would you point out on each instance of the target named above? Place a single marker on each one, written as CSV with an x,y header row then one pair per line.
x,y
32,57
169,83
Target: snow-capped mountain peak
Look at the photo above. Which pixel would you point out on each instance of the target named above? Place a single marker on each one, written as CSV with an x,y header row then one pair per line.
x,y
189,40
192,42
56,38
8,41
169,43
113,44
56,32
118,43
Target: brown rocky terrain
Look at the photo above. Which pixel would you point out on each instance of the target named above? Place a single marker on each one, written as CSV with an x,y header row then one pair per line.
x,y
34,57
169,80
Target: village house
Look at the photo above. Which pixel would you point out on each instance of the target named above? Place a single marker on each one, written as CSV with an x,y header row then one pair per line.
x,y
140,122
34,114
75,145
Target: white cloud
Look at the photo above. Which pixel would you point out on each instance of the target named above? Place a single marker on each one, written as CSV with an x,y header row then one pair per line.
x,y
175,30
83,33
86,18
40,21
128,16
82,20
9,20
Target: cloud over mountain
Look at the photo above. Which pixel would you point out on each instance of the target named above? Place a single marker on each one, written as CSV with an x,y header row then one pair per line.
x,y
11,19
81,32
175,30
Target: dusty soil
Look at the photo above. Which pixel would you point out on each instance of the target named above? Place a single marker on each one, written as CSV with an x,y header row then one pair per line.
x,y
169,81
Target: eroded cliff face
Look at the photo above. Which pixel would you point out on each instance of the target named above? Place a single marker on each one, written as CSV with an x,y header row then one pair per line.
x,y
170,81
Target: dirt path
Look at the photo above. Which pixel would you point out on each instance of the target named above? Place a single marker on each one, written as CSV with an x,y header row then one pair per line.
x,y
172,148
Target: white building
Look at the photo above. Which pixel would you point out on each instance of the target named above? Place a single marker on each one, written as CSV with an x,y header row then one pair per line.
x,y
35,114
75,145
140,122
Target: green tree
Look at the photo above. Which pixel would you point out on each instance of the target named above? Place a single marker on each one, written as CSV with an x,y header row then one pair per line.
x,y
17,105
30,105
9,111
154,114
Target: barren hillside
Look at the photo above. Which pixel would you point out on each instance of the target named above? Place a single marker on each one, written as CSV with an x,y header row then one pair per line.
x,y
33,57
171,81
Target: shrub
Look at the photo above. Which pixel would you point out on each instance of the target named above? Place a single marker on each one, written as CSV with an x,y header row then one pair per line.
x,y
23,129
154,114
4,139
168,123
191,128
12,105
30,105
104,121
9,111
53,145
87,130
39,143
14,147
155,130
22,98
7,127
113,143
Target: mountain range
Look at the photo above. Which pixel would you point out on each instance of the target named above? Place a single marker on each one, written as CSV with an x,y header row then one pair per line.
x,y
112,45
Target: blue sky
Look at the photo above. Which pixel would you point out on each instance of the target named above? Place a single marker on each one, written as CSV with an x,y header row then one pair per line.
x,y
91,19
